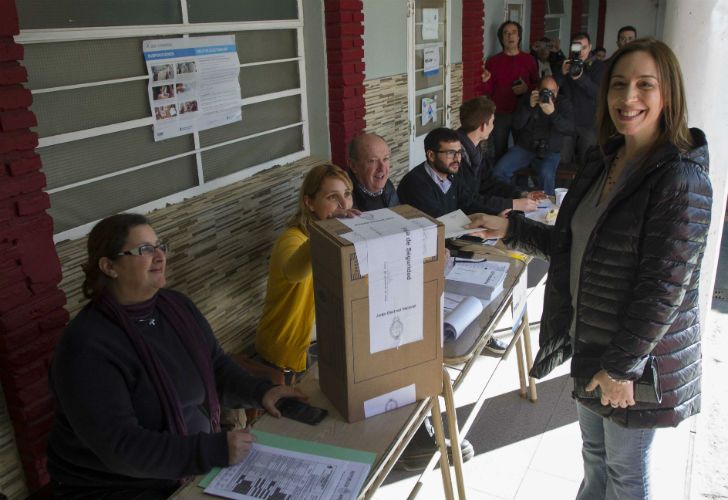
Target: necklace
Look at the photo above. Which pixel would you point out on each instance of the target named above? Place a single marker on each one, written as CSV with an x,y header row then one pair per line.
x,y
613,175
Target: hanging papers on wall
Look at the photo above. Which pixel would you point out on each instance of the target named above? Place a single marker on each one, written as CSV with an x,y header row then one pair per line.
x,y
193,84
430,19
431,56
278,467
429,110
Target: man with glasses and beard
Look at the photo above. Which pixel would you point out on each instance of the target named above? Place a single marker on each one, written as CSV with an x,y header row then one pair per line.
x,y
434,186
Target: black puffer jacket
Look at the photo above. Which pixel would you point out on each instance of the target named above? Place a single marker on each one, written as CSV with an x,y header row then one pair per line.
x,y
638,284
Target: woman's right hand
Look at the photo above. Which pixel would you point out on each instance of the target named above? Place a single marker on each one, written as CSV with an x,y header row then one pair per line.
x,y
239,443
493,226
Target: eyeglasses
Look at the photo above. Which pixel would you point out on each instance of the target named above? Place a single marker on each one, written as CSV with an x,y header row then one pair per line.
x,y
451,153
145,250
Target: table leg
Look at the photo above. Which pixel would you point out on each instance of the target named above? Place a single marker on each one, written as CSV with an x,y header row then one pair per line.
x,y
529,358
440,439
452,421
521,368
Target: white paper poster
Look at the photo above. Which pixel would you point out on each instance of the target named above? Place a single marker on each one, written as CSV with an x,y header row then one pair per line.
x,y
429,110
395,290
430,19
193,84
390,250
431,57
390,401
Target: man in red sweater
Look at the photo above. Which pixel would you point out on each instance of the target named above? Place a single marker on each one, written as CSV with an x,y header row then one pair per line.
x,y
507,76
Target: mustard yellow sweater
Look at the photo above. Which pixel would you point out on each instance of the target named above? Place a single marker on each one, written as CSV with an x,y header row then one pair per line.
x,y
284,331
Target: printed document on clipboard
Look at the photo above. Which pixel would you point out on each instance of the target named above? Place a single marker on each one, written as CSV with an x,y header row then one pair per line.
x,y
281,467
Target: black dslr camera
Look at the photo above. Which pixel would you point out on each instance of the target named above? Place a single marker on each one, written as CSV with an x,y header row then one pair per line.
x,y
544,95
577,64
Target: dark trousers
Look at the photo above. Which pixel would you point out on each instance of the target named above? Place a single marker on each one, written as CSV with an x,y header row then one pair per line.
x,y
574,148
502,129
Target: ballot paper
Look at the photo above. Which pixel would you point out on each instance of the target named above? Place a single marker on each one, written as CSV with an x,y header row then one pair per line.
x,y
479,279
292,468
455,223
389,250
461,316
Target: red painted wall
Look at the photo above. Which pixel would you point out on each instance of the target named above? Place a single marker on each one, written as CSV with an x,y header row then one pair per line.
x,y
472,26
31,304
345,54
538,11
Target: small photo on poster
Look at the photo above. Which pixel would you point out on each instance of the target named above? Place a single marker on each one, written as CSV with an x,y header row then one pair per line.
x,y
188,107
184,87
186,67
162,92
162,72
164,112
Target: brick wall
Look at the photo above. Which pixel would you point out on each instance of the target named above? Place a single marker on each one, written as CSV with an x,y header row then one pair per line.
x,y
31,304
538,11
577,9
601,19
345,54
473,24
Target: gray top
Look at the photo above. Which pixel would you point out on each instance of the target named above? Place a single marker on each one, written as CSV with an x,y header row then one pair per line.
x,y
584,221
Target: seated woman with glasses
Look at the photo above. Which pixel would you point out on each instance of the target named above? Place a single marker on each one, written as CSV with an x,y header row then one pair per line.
x,y
284,331
434,186
138,379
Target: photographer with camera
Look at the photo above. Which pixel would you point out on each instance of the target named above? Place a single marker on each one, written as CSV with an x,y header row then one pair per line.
x,y
582,76
542,119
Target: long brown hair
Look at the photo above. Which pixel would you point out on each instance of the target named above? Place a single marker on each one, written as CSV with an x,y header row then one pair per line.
x,y
674,119
311,185
106,239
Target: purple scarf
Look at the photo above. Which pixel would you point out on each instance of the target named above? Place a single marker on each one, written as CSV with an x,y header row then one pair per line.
x,y
191,336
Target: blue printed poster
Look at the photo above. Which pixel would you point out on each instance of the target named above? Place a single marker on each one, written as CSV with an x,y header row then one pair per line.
x,y
193,84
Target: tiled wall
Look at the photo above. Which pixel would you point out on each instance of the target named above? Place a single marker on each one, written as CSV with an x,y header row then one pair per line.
x,y
12,479
456,93
220,246
386,107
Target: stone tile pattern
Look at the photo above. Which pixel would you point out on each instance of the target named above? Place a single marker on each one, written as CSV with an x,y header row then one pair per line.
x,y
220,245
12,479
387,114
457,89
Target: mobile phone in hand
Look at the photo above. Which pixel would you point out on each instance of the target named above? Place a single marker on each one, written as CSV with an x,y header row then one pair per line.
x,y
301,412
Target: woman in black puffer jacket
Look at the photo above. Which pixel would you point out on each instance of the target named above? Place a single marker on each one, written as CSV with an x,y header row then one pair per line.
x,y
621,297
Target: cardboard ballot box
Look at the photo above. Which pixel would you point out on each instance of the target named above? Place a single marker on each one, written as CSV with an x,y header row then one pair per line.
x,y
365,371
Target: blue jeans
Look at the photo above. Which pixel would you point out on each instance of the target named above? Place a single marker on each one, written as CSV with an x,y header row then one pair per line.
x,y
616,459
517,158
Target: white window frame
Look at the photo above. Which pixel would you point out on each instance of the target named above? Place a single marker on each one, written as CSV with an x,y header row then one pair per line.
x,y
184,29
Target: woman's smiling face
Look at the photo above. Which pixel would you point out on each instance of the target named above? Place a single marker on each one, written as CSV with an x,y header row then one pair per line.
x,y
634,97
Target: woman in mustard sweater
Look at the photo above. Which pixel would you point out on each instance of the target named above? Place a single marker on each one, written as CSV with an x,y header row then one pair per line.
x,y
284,331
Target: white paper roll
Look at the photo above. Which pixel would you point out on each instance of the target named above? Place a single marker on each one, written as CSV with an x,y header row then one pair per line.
x,y
460,318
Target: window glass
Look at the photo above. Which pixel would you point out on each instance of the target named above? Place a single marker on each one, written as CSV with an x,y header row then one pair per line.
x,y
44,14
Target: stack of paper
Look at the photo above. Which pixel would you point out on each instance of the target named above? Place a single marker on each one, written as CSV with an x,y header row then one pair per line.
x,y
478,279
